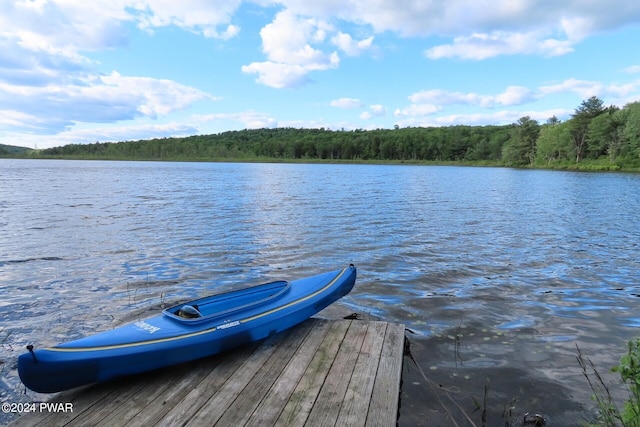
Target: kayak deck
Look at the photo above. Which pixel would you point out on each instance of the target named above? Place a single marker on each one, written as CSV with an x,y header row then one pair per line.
x,y
321,372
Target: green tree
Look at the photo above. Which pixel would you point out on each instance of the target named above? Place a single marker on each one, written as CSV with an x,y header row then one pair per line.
x,y
604,134
553,120
520,150
554,143
580,121
630,131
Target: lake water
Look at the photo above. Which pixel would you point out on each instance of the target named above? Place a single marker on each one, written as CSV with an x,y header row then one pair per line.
x,y
498,273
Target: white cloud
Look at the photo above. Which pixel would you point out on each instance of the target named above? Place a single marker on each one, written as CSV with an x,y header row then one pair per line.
x,y
483,28
92,134
126,133
375,110
617,94
277,75
347,103
427,106
577,27
414,110
622,90
95,99
443,97
480,46
48,83
494,118
479,29
574,20
248,119
632,69
350,46
583,88
428,102
55,34
158,96
200,16
515,95
287,39
287,43
230,32
18,119
378,110
64,28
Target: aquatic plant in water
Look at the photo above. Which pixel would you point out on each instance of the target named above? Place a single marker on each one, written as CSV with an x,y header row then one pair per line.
x,y
629,370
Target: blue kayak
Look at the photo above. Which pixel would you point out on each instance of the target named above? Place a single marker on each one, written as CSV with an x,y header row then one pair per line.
x,y
184,332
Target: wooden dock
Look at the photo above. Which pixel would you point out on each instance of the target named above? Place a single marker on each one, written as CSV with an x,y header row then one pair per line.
x,y
320,373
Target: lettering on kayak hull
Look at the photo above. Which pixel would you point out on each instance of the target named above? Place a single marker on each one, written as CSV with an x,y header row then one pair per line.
x,y
147,327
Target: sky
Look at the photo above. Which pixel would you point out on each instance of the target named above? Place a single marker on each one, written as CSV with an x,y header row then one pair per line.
x,y
79,71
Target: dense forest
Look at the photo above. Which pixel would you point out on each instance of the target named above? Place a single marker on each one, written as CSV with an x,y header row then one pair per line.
x,y
594,137
12,150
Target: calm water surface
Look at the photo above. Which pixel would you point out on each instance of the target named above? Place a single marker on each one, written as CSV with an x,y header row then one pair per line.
x,y
498,273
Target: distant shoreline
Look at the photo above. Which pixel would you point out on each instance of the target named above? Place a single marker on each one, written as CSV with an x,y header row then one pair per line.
x,y
584,166
596,138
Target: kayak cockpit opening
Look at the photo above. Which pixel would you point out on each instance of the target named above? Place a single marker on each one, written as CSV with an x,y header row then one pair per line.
x,y
188,312
225,303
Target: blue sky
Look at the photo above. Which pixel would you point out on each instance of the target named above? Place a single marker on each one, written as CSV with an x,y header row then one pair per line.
x,y
111,70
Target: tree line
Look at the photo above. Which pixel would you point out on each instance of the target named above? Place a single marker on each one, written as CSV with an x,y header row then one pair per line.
x,y
594,132
609,136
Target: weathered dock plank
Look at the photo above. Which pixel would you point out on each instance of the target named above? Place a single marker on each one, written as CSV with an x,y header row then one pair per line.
x,y
320,373
324,411
384,405
359,391
297,409
270,407
200,392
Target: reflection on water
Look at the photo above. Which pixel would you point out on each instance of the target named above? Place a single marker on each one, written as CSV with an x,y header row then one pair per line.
x,y
498,273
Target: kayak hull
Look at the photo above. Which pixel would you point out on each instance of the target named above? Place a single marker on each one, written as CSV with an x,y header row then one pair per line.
x,y
228,320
